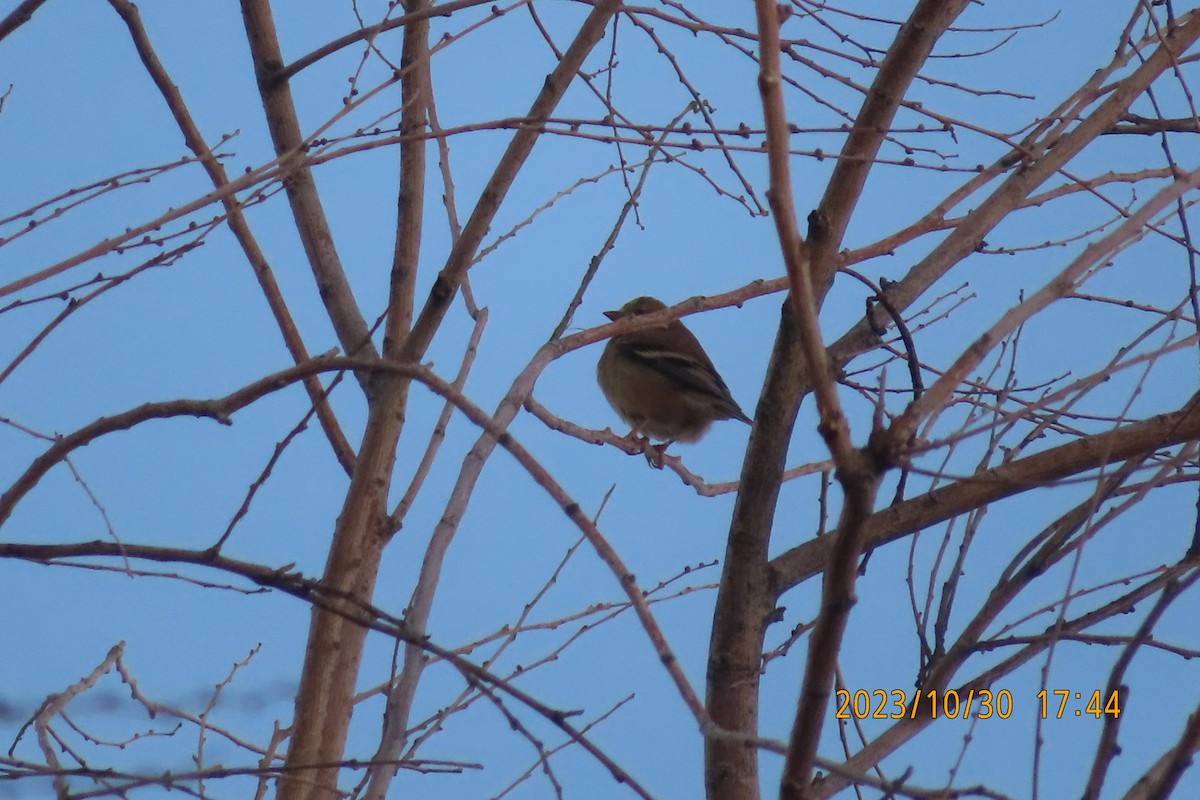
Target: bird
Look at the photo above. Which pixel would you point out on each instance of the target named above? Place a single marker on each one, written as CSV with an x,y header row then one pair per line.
x,y
660,381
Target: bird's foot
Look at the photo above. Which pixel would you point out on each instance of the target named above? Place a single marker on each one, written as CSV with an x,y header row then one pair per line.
x,y
656,454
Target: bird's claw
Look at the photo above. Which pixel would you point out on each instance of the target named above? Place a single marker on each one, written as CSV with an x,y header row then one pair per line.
x,y
656,454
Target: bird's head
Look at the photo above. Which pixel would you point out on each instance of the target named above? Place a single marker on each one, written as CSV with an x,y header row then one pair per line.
x,y
636,307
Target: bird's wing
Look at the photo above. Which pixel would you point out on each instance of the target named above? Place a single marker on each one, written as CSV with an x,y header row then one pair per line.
x,y
694,372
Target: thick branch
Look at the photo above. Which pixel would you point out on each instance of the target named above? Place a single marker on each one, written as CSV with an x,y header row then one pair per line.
x,y
415,88
335,646
307,210
239,227
796,253
908,53
1040,162
445,286
1132,229
855,472
18,16
804,561
1153,126
331,660
745,599
1161,779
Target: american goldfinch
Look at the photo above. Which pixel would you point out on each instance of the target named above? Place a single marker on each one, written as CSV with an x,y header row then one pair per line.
x,y
660,380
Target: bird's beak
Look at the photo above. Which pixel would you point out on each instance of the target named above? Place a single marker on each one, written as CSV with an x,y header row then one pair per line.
x,y
613,315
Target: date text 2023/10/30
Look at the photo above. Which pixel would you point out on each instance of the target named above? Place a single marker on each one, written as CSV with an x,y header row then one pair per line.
x,y
984,703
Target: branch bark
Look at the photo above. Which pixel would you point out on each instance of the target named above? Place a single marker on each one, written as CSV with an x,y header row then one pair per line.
x,y
239,226
307,210
448,280
393,397
745,599
324,702
1038,161
18,16
806,560
335,643
419,607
